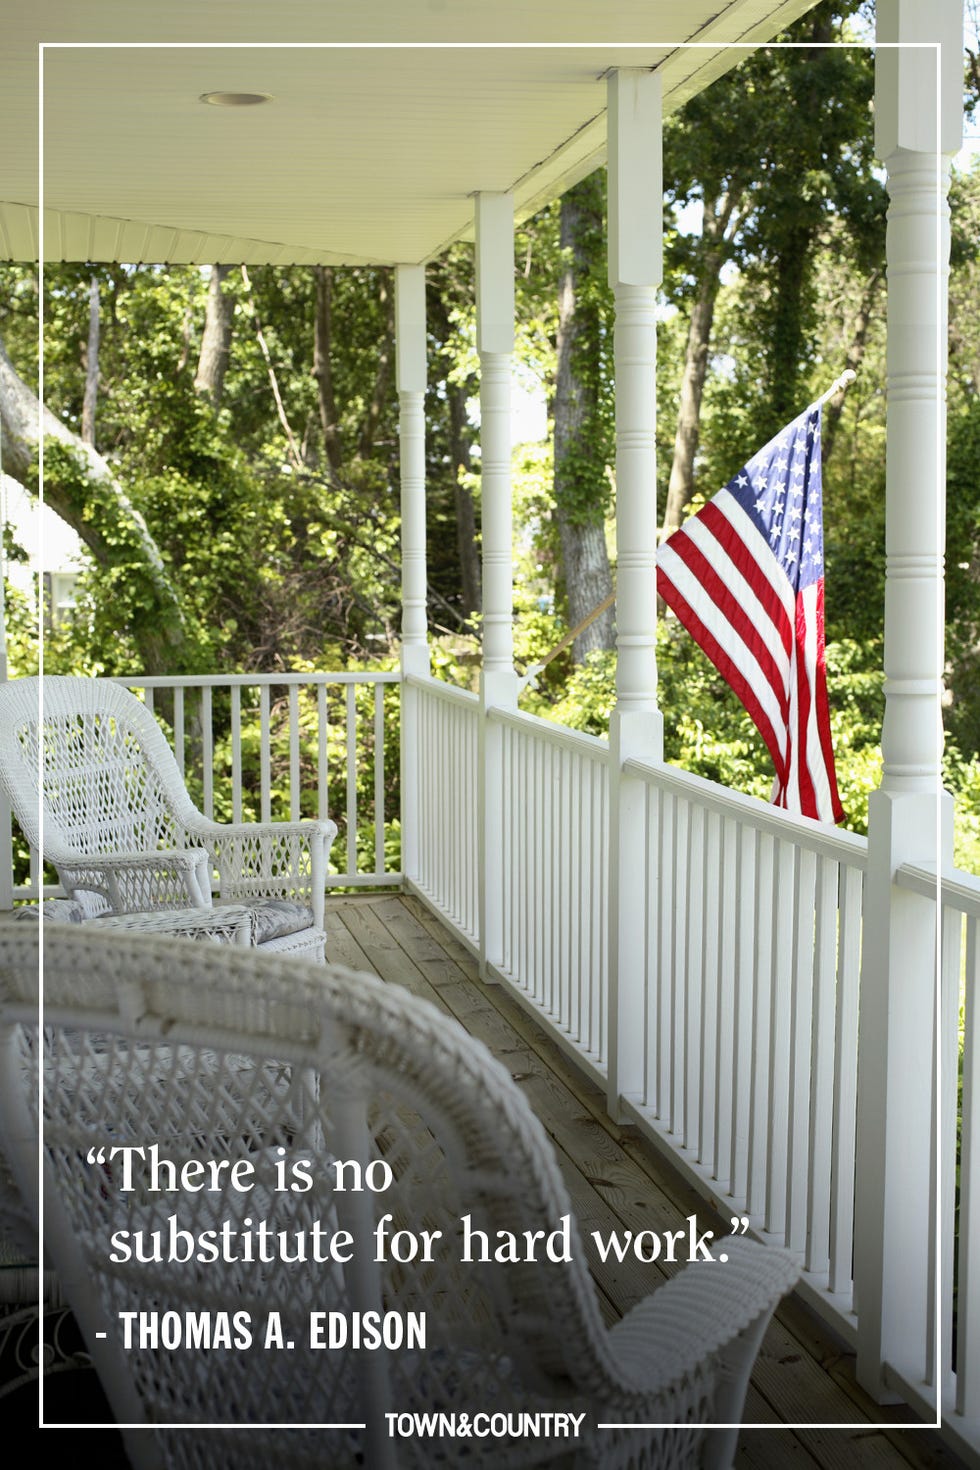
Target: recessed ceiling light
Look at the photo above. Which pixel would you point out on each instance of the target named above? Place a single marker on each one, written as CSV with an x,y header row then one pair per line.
x,y
235,99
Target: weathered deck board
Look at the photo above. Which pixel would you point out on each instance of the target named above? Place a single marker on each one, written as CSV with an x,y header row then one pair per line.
x,y
615,1178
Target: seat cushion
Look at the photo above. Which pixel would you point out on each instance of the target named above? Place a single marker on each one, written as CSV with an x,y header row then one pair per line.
x,y
273,918
56,911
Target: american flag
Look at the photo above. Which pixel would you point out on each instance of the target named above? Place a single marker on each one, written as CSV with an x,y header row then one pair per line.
x,y
745,577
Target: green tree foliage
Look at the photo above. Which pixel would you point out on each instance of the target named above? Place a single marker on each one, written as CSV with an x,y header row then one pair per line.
x,y
276,511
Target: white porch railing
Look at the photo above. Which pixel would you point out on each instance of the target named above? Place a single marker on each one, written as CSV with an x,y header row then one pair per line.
x,y
554,877
447,776
958,1374
749,1012
746,997
747,1002
751,940
281,746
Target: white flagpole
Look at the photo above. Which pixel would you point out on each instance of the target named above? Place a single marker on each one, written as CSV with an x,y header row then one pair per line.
x,y
846,378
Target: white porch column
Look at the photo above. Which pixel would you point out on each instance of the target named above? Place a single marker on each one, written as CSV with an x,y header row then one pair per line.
x,y
495,344
635,157
498,681
908,815
410,372
410,375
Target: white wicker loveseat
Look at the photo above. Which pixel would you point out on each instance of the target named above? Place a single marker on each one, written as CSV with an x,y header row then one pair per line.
x,y
225,1054
88,758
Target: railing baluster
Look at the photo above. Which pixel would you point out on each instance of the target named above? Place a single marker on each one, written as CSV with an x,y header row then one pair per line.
x,y
540,875
379,779
460,815
548,855
294,774
265,755
650,996
713,909
207,751
845,1083
952,959
471,835
323,747
588,915
761,1027
236,753
565,861
665,968
725,1054
693,981
678,974
829,875
780,1000
179,727
578,868
598,1040
968,1293
746,885
800,1050
352,779
524,971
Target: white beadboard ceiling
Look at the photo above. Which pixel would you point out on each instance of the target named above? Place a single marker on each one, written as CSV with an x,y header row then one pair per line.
x,y
388,116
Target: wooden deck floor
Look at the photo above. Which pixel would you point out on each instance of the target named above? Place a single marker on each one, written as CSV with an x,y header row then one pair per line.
x,y
615,1178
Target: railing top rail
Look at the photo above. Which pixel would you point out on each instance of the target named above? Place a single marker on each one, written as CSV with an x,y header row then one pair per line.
x,y
844,847
592,746
959,890
442,690
225,681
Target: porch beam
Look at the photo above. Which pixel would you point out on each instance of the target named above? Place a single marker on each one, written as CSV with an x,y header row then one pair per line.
x,y
498,679
635,258
918,111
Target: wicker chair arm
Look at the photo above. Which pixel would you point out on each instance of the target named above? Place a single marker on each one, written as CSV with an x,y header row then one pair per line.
x,y
707,1309
134,881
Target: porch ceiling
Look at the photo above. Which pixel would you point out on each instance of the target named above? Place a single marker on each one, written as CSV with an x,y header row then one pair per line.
x,y
368,153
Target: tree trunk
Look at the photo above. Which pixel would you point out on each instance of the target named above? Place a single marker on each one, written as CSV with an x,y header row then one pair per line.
x,y
322,369
788,340
294,454
91,398
382,376
715,233
853,359
586,561
790,269
212,364
80,487
580,495
460,446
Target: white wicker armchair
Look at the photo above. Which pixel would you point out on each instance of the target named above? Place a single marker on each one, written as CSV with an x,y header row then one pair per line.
x,y
118,824
225,1054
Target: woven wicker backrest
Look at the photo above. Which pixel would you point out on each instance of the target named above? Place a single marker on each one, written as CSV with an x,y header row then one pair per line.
x,y
219,1053
108,777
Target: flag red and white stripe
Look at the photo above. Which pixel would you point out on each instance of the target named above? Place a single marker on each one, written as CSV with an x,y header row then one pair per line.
x,y
745,577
